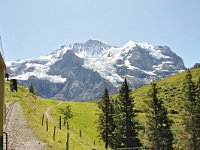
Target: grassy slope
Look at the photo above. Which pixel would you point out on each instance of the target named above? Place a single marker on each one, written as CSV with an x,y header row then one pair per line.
x,y
84,119
85,114
170,91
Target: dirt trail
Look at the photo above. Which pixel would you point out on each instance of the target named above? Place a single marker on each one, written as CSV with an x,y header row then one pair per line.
x,y
47,112
20,136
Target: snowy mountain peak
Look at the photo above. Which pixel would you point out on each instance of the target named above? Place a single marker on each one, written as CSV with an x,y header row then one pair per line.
x,y
130,44
96,42
82,69
90,48
146,46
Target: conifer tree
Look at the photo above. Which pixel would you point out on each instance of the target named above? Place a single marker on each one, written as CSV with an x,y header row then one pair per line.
x,y
106,122
192,111
197,115
158,126
198,88
125,134
31,89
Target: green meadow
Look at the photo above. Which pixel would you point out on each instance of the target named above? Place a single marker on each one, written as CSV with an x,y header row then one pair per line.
x,y
83,126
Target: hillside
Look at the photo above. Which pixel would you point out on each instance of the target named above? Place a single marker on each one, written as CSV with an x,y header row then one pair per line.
x,y
84,119
170,91
86,114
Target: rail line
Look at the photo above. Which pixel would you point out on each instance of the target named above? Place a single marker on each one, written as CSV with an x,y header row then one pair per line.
x,y
9,110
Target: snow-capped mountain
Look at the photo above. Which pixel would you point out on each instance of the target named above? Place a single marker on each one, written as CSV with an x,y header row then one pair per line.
x,y
81,71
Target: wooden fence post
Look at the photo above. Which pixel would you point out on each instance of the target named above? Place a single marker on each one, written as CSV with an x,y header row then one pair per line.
x,y
67,142
54,133
42,119
47,126
80,133
60,123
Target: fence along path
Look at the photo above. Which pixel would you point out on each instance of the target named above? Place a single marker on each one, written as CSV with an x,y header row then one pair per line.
x,y
73,134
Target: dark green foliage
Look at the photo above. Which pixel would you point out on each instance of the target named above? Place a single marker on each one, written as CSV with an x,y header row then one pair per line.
x,y
172,85
197,115
189,90
66,112
125,133
31,89
192,111
106,121
159,132
176,105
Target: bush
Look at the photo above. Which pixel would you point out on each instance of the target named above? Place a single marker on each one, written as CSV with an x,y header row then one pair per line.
x,y
66,112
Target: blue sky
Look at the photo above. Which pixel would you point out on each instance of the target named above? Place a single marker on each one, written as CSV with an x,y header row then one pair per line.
x,y
30,28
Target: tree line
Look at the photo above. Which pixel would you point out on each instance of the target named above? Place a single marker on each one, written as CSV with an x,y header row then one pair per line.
x,y
119,127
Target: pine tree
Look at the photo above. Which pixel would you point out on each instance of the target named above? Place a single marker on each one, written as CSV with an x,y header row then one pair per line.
x,y
106,122
31,89
198,88
192,111
125,134
189,90
197,115
158,126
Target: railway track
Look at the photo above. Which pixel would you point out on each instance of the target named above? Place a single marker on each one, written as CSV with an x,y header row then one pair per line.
x,y
9,110
20,136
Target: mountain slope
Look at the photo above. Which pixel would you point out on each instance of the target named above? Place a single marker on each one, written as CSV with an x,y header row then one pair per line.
x,y
170,90
81,71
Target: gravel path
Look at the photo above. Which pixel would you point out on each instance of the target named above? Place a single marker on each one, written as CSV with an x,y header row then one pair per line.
x,y
20,136
47,113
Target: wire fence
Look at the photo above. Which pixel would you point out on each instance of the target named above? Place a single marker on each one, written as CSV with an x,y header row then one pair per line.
x,y
75,135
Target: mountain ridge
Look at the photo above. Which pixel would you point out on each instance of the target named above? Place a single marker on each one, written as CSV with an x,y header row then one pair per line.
x,y
81,71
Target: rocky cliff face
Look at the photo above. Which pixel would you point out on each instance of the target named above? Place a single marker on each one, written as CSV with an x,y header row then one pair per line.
x,y
81,71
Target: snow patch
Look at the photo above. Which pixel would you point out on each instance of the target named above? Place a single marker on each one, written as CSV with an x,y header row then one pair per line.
x,y
127,63
130,44
40,66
